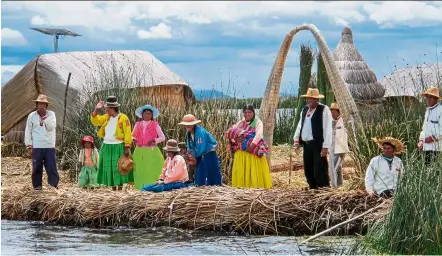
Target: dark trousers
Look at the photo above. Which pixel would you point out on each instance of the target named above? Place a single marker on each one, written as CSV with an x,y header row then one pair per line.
x,y
208,170
315,166
387,193
44,157
430,157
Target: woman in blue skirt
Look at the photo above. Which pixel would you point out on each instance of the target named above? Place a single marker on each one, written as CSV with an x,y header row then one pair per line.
x,y
202,145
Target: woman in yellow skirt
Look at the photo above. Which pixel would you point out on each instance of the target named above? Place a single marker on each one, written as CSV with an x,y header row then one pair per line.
x,y
250,167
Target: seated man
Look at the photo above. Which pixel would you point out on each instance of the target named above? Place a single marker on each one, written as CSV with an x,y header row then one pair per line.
x,y
174,174
383,172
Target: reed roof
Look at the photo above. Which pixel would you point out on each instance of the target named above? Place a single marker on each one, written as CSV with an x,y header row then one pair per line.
x,y
411,81
48,74
360,79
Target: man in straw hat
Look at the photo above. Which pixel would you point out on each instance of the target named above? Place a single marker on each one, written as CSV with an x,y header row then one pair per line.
x,y
40,141
115,129
339,146
314,133
383,171
430,139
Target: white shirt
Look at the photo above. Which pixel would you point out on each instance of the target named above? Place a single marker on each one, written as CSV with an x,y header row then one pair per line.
x,y
307,129
379,177
340,138
40,136
110,130
432,127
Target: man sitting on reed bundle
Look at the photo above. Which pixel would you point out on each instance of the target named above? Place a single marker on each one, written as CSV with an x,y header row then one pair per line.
x,y
40,141
383,172
430,139
314,134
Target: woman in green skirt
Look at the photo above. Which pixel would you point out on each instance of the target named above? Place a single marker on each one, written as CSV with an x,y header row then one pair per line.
x,y
148,159
115,129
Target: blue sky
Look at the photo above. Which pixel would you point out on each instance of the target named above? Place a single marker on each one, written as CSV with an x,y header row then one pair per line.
x,y
211,43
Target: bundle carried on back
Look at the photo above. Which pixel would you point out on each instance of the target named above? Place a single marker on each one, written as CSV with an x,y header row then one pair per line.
x,y
241,137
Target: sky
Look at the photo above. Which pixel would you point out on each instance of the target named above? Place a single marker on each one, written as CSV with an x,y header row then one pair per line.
x,y
224,45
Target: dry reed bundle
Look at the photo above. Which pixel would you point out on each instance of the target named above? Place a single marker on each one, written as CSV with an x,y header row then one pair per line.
x,y
247,211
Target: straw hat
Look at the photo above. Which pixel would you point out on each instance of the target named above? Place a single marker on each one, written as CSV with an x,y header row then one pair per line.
x,y
139,111
433,91
334,106
111,102
189,119
313,93
125,165
87,139
398,145
171,146
42,98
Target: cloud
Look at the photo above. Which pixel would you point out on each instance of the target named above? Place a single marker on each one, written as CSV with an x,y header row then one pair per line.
x,y
9,71
12,37
412,14
341,22
161,31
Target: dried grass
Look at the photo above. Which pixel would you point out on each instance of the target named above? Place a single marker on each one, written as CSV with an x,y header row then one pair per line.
x,y
281,211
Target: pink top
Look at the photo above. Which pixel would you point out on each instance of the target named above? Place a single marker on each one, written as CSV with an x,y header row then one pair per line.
x,y
174,170
145,131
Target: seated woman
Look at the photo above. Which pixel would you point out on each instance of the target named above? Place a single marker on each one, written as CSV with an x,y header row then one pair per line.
x,y
174,174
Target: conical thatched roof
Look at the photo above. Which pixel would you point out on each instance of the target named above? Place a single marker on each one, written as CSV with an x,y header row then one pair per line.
x,y
411,81
360,79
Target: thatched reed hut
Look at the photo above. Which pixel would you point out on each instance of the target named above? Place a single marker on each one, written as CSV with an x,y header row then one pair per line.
x,y
90,72
360,79
407,83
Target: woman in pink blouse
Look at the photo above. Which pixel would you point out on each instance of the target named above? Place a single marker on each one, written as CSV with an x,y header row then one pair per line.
x,y
174,174
148,159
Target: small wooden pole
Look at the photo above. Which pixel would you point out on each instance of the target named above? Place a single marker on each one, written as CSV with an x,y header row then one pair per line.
x,y
64,116
291,167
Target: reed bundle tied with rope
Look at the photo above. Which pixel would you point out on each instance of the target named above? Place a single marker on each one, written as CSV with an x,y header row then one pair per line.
x,y
247,211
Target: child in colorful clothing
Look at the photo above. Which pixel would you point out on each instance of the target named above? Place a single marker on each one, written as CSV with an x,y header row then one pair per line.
x,y
88,163
190,161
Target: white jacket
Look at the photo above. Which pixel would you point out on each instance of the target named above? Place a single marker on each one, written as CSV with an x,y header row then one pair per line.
x,y
432,127
340,138
379,177
40,136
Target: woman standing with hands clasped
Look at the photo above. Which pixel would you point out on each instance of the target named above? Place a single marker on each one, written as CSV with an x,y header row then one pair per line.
x,y
148,159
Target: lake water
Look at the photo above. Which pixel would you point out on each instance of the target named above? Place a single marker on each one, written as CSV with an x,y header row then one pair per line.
x,y
36,238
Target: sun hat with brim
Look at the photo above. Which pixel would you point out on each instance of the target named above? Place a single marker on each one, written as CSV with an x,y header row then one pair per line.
x,y
87,139
189,119
172,146
111,102
313,93
125,165
42,98
139,111
334,106
433,91
397,144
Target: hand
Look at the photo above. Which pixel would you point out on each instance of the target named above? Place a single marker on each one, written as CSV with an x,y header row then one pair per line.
x,y
99,105
126,152
250,148
324,152
30,152
420,145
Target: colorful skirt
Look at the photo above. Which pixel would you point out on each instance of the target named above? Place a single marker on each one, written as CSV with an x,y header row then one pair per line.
x,y
208,170
250,171
148,164
108,166
88,176
165,187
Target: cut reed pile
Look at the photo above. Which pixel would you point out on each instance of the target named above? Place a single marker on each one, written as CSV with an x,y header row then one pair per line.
x,y
247,211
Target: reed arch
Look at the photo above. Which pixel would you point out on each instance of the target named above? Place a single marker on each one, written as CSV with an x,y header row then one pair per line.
x,y
343,97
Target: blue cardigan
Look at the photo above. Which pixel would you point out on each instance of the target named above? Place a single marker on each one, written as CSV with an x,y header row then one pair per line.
x,y
203,142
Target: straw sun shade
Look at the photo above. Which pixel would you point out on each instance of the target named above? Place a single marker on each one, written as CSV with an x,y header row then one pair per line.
x,y
360,79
